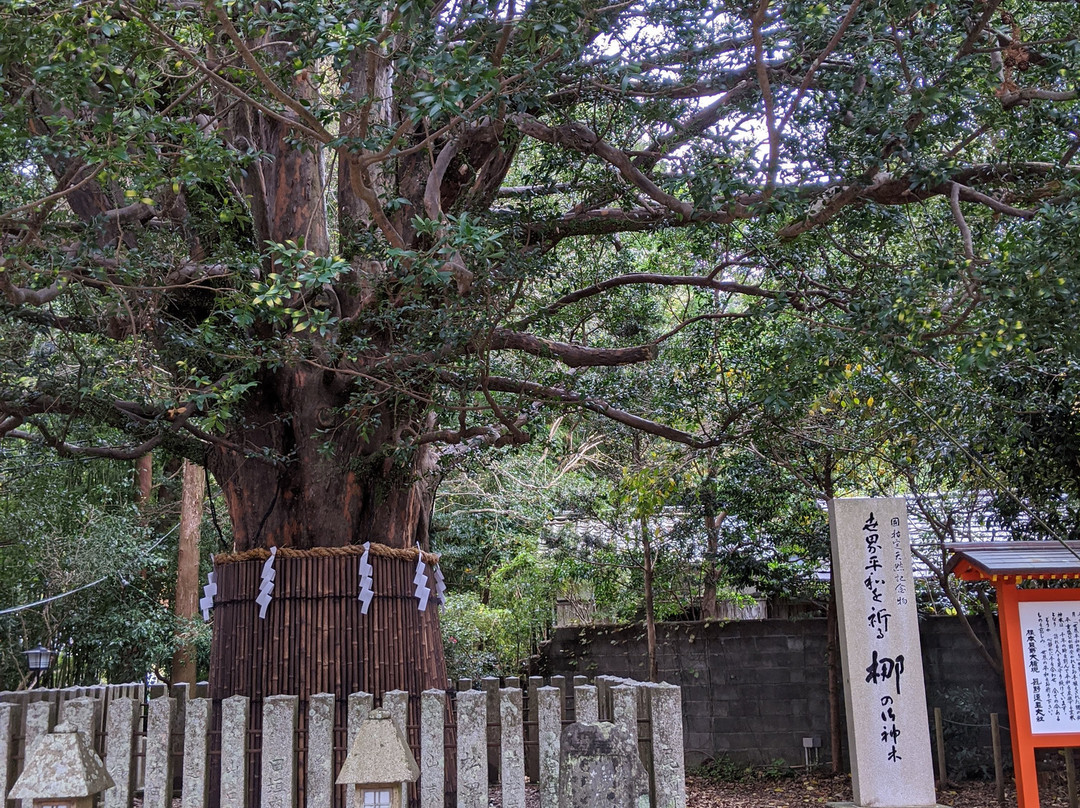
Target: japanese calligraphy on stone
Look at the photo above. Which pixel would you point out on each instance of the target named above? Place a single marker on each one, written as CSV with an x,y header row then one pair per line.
x,y
887,722
881,558
1050,631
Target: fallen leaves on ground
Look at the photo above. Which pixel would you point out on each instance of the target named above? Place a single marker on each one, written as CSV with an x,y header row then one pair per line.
x,y
817,789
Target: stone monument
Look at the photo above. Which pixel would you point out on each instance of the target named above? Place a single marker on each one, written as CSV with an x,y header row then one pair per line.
x,y
888,728
599,766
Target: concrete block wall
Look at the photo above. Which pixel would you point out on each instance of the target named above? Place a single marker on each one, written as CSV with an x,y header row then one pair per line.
x,y
752,690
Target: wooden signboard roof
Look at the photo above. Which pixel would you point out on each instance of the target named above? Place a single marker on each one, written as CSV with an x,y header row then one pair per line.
x,y
1041,560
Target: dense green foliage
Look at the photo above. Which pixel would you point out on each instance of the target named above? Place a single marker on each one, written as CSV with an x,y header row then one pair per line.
x,y
334,250
70,523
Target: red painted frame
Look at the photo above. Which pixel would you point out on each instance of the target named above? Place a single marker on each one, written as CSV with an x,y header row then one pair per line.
x,y
1024,741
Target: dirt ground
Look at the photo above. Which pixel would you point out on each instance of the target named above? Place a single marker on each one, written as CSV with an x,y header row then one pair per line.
x,y
802,790
819,788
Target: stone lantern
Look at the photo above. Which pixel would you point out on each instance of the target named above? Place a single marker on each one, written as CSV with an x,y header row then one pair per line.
x,y
62,771
380,765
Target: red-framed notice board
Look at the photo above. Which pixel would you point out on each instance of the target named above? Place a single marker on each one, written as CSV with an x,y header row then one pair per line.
x,y
1040,643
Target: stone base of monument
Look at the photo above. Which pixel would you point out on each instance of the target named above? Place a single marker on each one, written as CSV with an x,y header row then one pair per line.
x,y
853,805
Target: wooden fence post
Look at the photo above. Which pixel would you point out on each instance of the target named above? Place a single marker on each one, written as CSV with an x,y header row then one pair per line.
x,y
939,736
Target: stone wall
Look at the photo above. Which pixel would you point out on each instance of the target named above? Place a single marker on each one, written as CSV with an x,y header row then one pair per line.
x,y
752,690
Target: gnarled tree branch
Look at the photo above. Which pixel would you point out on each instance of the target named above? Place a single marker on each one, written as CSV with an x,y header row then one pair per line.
x,y
575,356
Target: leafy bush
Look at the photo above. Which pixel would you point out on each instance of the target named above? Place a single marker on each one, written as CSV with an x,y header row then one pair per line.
x,y
725,770
470,636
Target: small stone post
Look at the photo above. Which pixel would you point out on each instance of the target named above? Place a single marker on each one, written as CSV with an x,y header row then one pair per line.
x,y
196,749
624,709
319,785
560,683
586,704
180,692
82,713
234,746
360,705
432,749
39,716
667,742
9,715
157,789
472,749
512,748
279,751
396,702
549,710
120,728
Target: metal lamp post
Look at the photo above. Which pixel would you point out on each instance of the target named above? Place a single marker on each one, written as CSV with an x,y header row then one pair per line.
x,y
38,660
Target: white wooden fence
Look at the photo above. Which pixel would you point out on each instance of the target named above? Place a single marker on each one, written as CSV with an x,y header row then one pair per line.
x,y
160,746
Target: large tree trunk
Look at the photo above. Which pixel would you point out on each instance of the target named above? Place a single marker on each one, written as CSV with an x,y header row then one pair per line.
x,y
324,484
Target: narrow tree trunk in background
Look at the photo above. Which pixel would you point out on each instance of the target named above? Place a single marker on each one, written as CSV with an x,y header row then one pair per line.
x,y
186,601
144,478
836,728
650,614
709,610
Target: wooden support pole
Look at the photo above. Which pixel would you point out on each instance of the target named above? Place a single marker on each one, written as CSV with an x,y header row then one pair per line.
x,y
939,736
999,764
1070,778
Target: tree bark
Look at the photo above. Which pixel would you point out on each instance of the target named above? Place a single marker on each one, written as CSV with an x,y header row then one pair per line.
x,y
836,727
650,610
709,608
144,478
324,483
186,602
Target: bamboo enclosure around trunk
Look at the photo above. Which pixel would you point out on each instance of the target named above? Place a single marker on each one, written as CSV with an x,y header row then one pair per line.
x,y
314,638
